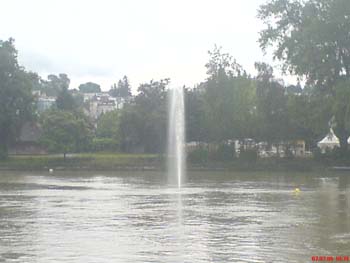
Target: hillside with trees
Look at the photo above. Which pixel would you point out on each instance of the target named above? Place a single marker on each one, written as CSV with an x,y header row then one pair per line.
x,y
310,39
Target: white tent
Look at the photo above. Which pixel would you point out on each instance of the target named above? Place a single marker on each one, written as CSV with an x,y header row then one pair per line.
x,y
330,141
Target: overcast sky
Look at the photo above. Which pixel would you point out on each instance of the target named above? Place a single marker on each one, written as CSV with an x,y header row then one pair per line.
x,y
101,41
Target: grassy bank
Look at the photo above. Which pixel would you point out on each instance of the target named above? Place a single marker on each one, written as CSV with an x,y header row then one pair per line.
x,y
282,164
122,161
86,161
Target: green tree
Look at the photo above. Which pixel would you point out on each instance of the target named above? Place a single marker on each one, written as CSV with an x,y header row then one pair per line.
x,y
294,89
143,122
89,87
308,115
229,99
65,100
78,98
123,89
65,132
55,84
195,116
16,100
312,40
273,122
131,128
107,131
341,110
108,126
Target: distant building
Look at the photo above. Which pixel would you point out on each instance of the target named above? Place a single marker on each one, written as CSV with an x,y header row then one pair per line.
x,y
90,96
263,149
99,103
329,142
43,101
298,148
36,93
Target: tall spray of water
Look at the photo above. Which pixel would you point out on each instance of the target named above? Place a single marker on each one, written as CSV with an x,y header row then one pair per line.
x,y
176,136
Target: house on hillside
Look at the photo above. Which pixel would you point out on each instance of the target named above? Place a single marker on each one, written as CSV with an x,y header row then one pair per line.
x,y
100,103
43,102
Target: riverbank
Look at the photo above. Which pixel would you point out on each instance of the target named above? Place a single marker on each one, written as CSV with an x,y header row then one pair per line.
x,y
85,161
121,161
267,164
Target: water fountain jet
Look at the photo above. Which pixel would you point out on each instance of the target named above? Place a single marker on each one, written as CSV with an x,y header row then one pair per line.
x,y
176,136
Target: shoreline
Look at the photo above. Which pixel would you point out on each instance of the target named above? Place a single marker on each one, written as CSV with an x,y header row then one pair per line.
x,y
152,162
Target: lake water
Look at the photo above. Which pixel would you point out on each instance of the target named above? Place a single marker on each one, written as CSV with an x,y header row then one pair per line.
x,y
137,217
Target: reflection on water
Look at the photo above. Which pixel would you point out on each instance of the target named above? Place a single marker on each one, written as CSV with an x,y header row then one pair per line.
x,y
136,217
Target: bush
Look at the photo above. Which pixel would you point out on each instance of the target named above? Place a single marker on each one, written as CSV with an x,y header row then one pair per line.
x,y
335,156
198,155
249,155
104,145
340,156
3,152
289,154
317,154
224,152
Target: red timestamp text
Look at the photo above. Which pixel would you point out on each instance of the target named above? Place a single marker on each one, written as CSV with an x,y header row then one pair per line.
x,y
330,258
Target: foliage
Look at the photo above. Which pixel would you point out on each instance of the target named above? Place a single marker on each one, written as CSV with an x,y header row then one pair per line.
x,y
65,100
108,125
225,152
222,61
248,155
199,155
107,132
90,161
55,84
271,106
294,89
16,100
308,116
332,157
104,144
195,117
78,98
123,89
59,86
65,132
143,123
341,110
312,40
130,126
229,99
89,87
310,37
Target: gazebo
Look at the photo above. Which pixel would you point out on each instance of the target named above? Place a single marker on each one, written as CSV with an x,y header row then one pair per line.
x,y
328,142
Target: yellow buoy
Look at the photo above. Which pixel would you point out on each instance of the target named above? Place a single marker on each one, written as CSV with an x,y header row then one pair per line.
x,y
296,190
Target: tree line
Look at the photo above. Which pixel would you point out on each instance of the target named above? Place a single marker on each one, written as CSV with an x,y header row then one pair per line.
x,y
310,38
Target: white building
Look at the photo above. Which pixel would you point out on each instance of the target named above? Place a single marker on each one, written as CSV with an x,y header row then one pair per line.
x,y
329,142
43,101
99,103
90,96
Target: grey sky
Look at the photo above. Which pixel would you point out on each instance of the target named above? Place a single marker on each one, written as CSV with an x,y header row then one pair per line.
x,y
103,40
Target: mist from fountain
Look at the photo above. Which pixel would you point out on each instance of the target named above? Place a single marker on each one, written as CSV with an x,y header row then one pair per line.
x,y
176,136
